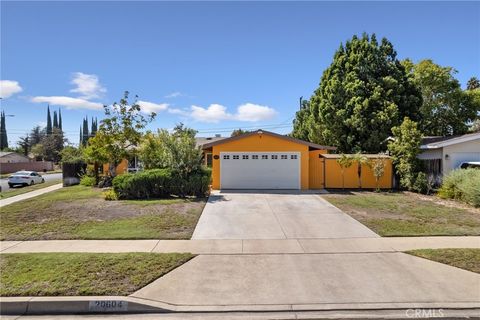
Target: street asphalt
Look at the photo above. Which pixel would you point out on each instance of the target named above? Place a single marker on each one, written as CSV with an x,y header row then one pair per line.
x,y
47,177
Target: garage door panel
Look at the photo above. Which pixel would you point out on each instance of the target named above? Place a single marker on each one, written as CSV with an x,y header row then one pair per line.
x,y
250,170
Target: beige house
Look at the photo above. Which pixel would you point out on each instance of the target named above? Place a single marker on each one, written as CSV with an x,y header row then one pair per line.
x,y
13,157
444,154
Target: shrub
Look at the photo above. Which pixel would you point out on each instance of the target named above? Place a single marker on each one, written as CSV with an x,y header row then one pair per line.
x,y
160,183
463,185
420,184
87,181
110,195
105,182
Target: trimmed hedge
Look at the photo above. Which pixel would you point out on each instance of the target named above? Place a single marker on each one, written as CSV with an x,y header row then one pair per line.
x,y
463,185
161,183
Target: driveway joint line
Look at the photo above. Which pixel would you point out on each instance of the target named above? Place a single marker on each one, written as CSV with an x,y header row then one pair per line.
x,y
276,218
19,242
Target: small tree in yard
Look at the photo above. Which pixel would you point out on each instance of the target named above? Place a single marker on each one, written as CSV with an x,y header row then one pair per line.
x,y
176,151
118,135
345,161
404,150
361,160
377,166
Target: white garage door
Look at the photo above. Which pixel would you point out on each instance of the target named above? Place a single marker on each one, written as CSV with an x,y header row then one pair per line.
x,y
257,170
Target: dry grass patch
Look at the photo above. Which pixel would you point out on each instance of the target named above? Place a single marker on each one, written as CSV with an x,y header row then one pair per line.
x,y
81,213
407,214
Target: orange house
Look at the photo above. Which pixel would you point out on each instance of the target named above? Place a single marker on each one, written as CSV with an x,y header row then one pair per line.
x,y
266,160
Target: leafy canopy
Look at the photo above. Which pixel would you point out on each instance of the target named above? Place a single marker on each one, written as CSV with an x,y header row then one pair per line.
x,y
446,108
362,94
119,134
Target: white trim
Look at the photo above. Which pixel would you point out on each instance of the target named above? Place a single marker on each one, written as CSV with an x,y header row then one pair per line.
x,y
441,144
299,158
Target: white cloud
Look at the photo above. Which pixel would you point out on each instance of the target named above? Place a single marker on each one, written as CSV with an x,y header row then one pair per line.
x,y
254,112
246,112
68,102
213,114
178,111
149,107
87,85
174,94
8,88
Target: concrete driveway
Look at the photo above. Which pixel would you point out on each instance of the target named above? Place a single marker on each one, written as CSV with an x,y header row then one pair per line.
x,y
272,215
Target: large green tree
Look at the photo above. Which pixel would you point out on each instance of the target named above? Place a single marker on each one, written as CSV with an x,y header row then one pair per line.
x,y
446,108
119,134
300,123
362,94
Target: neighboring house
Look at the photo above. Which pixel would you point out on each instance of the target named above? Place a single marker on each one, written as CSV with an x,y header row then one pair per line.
x,y
13,157
266,160
444,154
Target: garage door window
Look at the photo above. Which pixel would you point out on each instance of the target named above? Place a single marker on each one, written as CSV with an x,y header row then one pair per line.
x,y
236,157
245,157
293,156
284,157
226,157
255,157
274,157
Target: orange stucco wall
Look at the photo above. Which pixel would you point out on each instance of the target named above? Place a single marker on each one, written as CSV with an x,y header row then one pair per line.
x,y
261,143
121,167
316,169
333,176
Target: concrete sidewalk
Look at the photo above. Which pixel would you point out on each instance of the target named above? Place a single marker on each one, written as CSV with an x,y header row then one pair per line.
x,y
276,246
29,195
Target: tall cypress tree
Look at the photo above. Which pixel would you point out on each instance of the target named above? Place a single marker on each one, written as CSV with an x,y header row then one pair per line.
x,y
3,132
80,142
49,121
60,119
93,130
55,119
86,136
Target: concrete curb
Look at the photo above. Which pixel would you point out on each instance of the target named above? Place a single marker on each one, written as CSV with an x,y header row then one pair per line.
x,y
127,305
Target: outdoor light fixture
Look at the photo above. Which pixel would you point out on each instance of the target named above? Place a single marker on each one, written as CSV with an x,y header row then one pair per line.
x,y
447,156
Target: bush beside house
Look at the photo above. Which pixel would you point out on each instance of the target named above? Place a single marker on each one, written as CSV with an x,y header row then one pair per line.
x,y
463,185
161,183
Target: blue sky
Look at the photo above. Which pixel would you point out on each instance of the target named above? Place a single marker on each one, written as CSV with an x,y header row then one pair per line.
x,y
212,65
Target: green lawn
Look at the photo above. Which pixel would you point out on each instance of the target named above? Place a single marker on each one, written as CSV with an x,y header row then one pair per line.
x,y
407,214
20,190
468,259
71,274
81,213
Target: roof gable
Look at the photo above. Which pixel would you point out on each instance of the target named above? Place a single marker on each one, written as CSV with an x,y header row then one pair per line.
x,y
276,135
440,142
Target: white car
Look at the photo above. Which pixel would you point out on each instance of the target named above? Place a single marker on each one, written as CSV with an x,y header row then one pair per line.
x,y
24,178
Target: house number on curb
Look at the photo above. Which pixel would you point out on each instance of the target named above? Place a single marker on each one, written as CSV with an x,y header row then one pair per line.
x,y
107,305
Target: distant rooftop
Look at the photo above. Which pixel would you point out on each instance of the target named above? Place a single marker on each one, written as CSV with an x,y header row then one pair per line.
x,y
200,141
434,142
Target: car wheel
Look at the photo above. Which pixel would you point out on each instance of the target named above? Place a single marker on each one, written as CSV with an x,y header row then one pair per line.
x,y
11,185
43,180
32,183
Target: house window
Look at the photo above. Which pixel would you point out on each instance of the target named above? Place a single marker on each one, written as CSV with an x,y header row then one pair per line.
x,y
255,157
209,159
283,157
274,157
293,156
236,157
226,157
264,157
245,157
